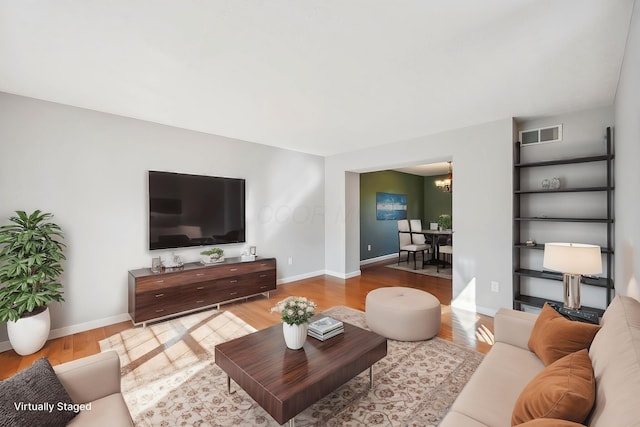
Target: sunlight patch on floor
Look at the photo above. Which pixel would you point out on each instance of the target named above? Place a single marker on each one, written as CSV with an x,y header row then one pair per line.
x,y
484,334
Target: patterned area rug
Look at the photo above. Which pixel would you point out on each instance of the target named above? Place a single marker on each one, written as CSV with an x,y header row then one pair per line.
x,y
169,378
429,270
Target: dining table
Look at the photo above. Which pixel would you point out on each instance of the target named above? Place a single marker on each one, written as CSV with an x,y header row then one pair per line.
x,y
435,241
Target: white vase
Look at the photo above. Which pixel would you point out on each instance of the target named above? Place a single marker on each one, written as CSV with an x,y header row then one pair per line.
x,y
295,335
29,334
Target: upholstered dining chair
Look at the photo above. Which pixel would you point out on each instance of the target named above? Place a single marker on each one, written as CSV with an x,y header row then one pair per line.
x,y
419,238
405,244
416,237
446,252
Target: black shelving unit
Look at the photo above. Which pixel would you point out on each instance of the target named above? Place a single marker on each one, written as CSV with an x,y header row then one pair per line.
x,y
520,299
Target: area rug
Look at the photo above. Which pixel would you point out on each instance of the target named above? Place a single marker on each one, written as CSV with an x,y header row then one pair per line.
x,y
169,378
428,270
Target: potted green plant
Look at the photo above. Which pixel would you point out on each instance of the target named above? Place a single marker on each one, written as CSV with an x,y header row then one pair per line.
x,y
31,251
212,255
444,222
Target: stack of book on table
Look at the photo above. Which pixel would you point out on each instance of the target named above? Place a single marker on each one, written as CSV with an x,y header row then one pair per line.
x,y
325,328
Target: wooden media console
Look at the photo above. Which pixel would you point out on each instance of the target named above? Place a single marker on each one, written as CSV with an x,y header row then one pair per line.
x,y
194,286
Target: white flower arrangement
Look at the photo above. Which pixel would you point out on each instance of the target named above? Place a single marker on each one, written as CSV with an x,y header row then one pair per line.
x,y
295,310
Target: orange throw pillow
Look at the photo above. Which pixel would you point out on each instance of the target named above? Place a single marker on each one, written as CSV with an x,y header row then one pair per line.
x,y
549,422
564,390
554,337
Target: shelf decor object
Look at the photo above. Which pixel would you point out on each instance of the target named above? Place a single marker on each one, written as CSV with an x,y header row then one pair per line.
x,y
572,260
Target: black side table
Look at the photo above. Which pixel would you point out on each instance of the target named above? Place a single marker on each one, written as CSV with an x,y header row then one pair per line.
x,y
577,315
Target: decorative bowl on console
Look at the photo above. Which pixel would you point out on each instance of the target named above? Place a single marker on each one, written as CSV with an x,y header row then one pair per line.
x,y
212,256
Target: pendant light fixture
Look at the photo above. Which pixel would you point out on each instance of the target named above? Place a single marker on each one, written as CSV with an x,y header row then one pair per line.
x,y
446,184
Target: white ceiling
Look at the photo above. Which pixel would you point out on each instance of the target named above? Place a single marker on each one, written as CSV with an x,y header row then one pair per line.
x,y
440,168
321,76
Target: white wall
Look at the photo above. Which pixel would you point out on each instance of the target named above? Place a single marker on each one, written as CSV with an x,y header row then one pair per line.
x,y
90,170
482,203
627,137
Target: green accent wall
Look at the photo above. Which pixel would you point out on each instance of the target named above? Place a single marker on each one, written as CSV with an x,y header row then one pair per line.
x,y
383,235
424,201
436,201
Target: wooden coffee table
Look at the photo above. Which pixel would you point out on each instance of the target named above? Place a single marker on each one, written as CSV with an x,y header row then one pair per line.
x,y
285,382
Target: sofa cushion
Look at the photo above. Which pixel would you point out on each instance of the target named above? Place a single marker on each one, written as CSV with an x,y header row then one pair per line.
x,y
549,422
554,337
494,387
109,411
563,390
615,355
35,397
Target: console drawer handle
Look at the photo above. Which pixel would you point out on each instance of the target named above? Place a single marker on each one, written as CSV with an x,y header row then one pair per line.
x,y
233,269
233,281
263,275
200,274
233,293
200,288
200,301
159,310
263,287
159,295
160,281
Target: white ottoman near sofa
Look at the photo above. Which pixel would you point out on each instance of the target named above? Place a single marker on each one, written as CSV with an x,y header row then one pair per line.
x,y
403,314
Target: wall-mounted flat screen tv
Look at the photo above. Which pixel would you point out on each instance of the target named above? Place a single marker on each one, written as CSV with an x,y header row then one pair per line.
x,y
195,210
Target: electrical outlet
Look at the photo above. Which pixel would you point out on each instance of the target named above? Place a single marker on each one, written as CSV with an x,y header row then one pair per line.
x,y
290,260
495,286
369,248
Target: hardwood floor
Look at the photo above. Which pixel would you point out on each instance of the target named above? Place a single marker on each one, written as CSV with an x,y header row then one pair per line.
x,y
462,327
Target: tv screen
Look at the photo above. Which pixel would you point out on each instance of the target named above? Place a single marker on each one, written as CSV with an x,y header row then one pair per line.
x,y
195,210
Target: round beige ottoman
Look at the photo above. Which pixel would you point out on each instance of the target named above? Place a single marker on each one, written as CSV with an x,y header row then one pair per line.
x,y
404,314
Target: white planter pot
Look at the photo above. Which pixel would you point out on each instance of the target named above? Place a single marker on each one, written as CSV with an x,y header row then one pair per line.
x,y
295,335
29,334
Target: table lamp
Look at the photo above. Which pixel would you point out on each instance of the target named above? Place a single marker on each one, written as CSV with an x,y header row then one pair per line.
x,y
572,260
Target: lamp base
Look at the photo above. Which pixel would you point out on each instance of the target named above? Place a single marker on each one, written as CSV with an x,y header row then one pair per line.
x,y
571,283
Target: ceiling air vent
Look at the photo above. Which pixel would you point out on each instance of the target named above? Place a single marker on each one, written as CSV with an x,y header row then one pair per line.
x,y
541,135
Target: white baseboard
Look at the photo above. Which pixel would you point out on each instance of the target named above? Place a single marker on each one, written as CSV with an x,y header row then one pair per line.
x,y
300,277
319,273
343,275
74,329
491,312
4,346
378,259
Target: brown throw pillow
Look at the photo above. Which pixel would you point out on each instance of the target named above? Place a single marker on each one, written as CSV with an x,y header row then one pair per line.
x,y
564,390
549,422
554,337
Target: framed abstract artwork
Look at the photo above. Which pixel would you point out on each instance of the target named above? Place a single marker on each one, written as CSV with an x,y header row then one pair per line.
x,y
391,206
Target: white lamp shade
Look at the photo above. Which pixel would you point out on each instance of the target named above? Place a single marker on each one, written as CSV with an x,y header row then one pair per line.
x,y
573,258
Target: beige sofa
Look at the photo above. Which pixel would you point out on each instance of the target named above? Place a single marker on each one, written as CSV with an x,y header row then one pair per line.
x,y
489,397
96,379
